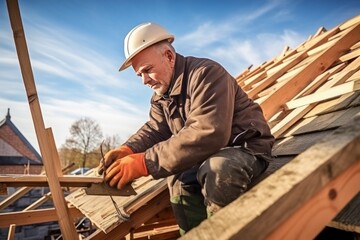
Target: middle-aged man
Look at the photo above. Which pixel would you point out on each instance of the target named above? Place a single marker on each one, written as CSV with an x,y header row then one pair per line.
x,y
204,134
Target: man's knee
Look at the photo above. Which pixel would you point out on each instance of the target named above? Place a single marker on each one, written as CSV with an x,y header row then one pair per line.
x,y
226,175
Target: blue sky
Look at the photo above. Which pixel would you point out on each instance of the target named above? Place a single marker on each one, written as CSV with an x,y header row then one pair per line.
x,y
76,48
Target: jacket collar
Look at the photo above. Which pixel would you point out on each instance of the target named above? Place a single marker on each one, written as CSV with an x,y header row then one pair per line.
x,y
177,78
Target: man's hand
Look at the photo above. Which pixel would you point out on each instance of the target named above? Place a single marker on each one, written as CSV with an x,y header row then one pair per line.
x,y
126,169
112,155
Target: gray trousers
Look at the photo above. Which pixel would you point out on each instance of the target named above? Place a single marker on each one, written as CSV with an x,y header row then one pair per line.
x,y
200,191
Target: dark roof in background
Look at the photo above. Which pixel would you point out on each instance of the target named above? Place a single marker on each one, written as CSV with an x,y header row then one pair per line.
x,y
8,151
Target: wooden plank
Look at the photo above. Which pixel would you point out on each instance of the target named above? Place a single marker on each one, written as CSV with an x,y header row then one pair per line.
x,y
318,96
350,55
343,102
284,193
321,47
319,80
272,104
290,119
320,31
324,122
16,180
38,202
299,112
350,22
308,221
65,222
18,194
54,153
23,190
344,75
317,41
272,78
100,209
34,216
254,79
146,212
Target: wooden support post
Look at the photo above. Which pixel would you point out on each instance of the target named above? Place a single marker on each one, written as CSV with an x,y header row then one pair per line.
x,y
65,222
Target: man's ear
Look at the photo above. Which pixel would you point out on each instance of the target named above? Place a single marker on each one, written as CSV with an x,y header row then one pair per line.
x,y
169,56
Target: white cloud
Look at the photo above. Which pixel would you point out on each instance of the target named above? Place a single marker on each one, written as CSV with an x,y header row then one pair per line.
x,y
205,34
212,32
72,80
272,44
75,80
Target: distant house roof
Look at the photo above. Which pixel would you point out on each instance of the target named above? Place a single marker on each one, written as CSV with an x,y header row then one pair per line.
x,y
15,149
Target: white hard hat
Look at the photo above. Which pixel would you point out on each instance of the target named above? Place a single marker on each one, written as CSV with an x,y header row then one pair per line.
x,y
141,37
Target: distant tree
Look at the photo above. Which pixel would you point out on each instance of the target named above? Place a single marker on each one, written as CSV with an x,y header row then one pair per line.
x,y
110,142
86,136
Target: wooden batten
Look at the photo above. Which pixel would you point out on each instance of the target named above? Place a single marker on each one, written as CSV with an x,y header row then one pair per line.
x,y
272,104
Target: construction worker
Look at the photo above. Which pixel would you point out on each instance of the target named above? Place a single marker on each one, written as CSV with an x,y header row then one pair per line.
x,y
204,134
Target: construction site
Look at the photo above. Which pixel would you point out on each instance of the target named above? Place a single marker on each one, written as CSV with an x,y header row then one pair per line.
x,y
309,96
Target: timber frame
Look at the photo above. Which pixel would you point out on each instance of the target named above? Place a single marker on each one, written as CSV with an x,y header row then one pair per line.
x,y
310,96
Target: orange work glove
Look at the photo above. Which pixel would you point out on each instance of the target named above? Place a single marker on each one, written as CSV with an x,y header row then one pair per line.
x,y
126,169
112,155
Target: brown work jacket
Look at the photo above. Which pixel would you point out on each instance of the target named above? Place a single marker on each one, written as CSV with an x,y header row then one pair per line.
x,y
204,111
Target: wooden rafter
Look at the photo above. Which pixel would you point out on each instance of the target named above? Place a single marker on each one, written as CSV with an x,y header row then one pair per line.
x,y
34,216
275,102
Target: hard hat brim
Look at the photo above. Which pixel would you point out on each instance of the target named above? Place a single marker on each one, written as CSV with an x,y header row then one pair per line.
x,y
127,62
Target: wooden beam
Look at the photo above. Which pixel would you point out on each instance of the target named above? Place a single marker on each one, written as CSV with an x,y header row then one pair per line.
x,y
344,75
52,170
319,96
308,221
15,180
273,103
271,78
290,119
34,216
23,190
15,196
38,202
270,203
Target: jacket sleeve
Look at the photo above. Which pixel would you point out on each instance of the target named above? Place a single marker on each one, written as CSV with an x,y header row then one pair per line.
x,y
211,92
153,131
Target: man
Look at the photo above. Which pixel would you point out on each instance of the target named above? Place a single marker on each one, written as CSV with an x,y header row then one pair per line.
x,y
204,134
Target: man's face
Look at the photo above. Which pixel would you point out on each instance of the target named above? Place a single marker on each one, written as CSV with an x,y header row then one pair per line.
x,y
155,66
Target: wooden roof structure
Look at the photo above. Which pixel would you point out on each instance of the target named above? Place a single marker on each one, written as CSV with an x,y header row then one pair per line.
x,y
310,96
